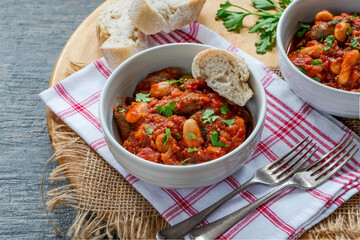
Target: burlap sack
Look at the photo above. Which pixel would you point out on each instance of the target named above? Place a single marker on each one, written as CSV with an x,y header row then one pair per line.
x,y
108,206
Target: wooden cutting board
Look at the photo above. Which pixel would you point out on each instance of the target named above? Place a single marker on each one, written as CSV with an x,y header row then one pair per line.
x,y
83,47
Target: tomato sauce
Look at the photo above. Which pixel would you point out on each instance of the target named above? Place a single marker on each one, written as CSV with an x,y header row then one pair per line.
x,y
175,119
327,50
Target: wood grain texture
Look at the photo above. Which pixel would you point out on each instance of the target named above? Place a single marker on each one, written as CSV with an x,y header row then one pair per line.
x,y
33,32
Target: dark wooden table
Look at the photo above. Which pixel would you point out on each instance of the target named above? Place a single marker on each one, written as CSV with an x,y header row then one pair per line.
x,y
32,34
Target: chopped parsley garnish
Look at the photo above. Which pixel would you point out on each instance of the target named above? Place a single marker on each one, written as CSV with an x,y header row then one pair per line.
x,y
329,40
354,42
224,109
180,80
355,15
178,135
316,62
191,136
229,122
184,161
215,140
121,110
348,32
349,18
302,69
166,110
359,90
166,137
209,116
317,79
190,74
193,149
335,21
304,28
141,97
301,48
148,130
322,37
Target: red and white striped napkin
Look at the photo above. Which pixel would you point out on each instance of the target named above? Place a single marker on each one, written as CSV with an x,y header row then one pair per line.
x,y
288,120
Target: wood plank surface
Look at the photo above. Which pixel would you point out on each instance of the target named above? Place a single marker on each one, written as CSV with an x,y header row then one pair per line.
x,y
32,35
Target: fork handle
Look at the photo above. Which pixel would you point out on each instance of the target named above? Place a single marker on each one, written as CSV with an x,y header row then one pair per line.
x,y
182,228
218,227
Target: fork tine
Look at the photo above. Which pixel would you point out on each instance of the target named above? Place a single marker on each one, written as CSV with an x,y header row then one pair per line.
x,y
287,154
330,174
290,159
330,159
300,165
332,164
327,154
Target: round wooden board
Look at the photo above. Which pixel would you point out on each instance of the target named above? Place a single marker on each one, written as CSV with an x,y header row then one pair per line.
x,y
83,47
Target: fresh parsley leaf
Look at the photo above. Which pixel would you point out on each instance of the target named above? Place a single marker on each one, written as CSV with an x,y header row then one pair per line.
x,y
190,74
316,62
354,42
355,15
229,122
303,30
191,136
348,31
166,110
209,116
263,45
222,12
178,135
184,161
317,79
224,109
141,97
121,110
349,18
166,137
302,69
359,90
180,80
233,21
193,149
336,21
215,140
148,130
301,48
284,3
321,40
329,40
263,4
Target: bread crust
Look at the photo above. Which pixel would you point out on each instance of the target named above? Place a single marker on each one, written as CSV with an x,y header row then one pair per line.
x,y
118,37
225,72
150,20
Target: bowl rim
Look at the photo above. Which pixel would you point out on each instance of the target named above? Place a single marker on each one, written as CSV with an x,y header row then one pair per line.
x,y
281,48
110,137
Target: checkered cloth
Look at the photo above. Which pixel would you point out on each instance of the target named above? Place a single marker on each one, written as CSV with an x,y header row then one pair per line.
x,y
288,120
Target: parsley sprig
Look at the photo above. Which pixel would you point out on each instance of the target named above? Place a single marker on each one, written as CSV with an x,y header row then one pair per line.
x,y
167,110
180,80
215,140
265,25
355,42
167,136
141,97
316,62
329,40
208,116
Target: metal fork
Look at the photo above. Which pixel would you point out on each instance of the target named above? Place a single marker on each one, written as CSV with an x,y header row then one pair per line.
x,y
270,175
310,177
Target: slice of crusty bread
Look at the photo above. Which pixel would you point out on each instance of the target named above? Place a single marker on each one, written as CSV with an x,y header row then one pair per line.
x,y
225,72
152,16
119,38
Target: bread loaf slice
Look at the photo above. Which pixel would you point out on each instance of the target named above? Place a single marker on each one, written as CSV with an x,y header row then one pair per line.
x,y
225,72
119,38
152,16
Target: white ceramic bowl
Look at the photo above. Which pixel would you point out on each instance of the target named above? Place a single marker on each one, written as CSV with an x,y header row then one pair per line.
x,y
122,83
334,101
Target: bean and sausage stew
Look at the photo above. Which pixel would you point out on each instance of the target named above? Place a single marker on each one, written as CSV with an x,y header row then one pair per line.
x,y
179,120
328,50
